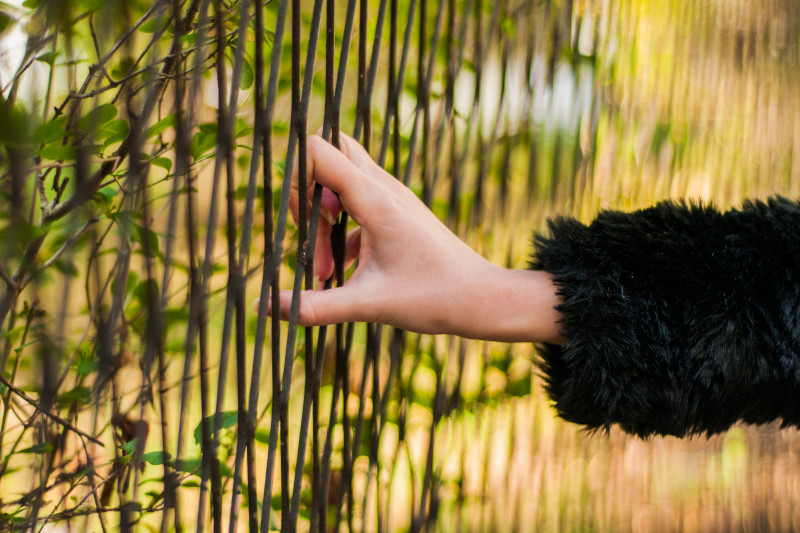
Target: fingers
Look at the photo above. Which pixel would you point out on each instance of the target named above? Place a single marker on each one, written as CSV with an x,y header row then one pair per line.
x,y
356,153
323,251
324,263
322,308
352,247
333,170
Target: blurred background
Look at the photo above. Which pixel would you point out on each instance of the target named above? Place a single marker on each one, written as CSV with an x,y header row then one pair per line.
x,y
143,152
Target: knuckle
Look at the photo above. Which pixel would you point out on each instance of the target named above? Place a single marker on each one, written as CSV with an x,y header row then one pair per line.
x,y
313,144
308,314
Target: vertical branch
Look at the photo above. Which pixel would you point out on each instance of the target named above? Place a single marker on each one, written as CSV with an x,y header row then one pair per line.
x,y
422,514
307,227
361,120
235,288
505,172
422,98
271,275
476,110
305,247
181,170
296,125
210,468
377,426
427,78
453,214
399,84
260,137
196,329
483,148
393,99
347,490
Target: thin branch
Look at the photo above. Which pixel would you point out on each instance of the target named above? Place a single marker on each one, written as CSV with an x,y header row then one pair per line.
x,y
69,242
6,278
51,416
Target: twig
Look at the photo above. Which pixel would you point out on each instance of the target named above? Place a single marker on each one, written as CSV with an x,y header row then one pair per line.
x,y
82,194
67,244
53,417
6,278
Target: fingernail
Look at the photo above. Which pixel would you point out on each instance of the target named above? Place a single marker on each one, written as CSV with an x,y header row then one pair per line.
x,y
327,215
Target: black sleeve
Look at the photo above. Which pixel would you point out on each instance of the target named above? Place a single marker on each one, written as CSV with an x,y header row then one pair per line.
x,y
679,319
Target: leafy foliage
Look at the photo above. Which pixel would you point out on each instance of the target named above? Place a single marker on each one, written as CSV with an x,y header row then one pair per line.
x,y
132,235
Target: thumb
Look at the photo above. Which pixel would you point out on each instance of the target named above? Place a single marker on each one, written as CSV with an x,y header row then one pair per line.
x,y
321,308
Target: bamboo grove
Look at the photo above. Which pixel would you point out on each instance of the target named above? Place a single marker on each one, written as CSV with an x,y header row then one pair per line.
x,y
146,155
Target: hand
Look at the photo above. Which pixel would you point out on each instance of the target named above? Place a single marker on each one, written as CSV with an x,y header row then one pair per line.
x,y
412,271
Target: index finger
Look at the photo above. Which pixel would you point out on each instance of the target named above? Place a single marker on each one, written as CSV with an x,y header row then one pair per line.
x,y
332,169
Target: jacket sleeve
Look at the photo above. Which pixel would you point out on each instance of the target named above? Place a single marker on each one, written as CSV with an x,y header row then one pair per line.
x,y
678,319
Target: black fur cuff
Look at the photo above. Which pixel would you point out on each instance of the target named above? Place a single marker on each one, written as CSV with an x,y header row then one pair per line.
x,y
679,319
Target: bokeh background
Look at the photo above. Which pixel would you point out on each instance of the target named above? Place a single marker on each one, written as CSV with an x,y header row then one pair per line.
x,y
127,319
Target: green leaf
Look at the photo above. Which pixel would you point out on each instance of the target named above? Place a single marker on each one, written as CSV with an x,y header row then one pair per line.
x,y
98,117
79,395
51,131
132,507
156,458
248,76
5,21
32,4
122,68
191,465
14,124
104,199
202,142
85,366
47,57
131,280
262,435
189,38
507,27
163,162
209,128
176,315
113,132
229,418
6,518
280,127
108,193
44,447
16,235
66,266
144,290
58,152
166,122
147,238
129,446
188,465
155,25
241,129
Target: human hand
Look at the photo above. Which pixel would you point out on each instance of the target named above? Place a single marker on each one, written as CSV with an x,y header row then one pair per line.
x,y
412,271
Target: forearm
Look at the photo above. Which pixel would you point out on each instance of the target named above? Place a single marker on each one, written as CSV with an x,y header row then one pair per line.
x,y
509,306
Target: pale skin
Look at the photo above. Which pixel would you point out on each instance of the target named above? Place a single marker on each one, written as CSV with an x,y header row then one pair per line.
x,y
412,271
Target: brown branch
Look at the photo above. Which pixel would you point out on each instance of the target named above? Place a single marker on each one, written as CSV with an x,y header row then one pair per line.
x,y
50,262
6,278
82,194
51,416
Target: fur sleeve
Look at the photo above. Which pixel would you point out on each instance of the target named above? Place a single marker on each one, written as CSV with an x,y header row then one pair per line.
x,y
679,319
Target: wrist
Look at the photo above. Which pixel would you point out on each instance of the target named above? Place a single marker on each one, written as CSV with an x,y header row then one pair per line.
x,y
513,306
